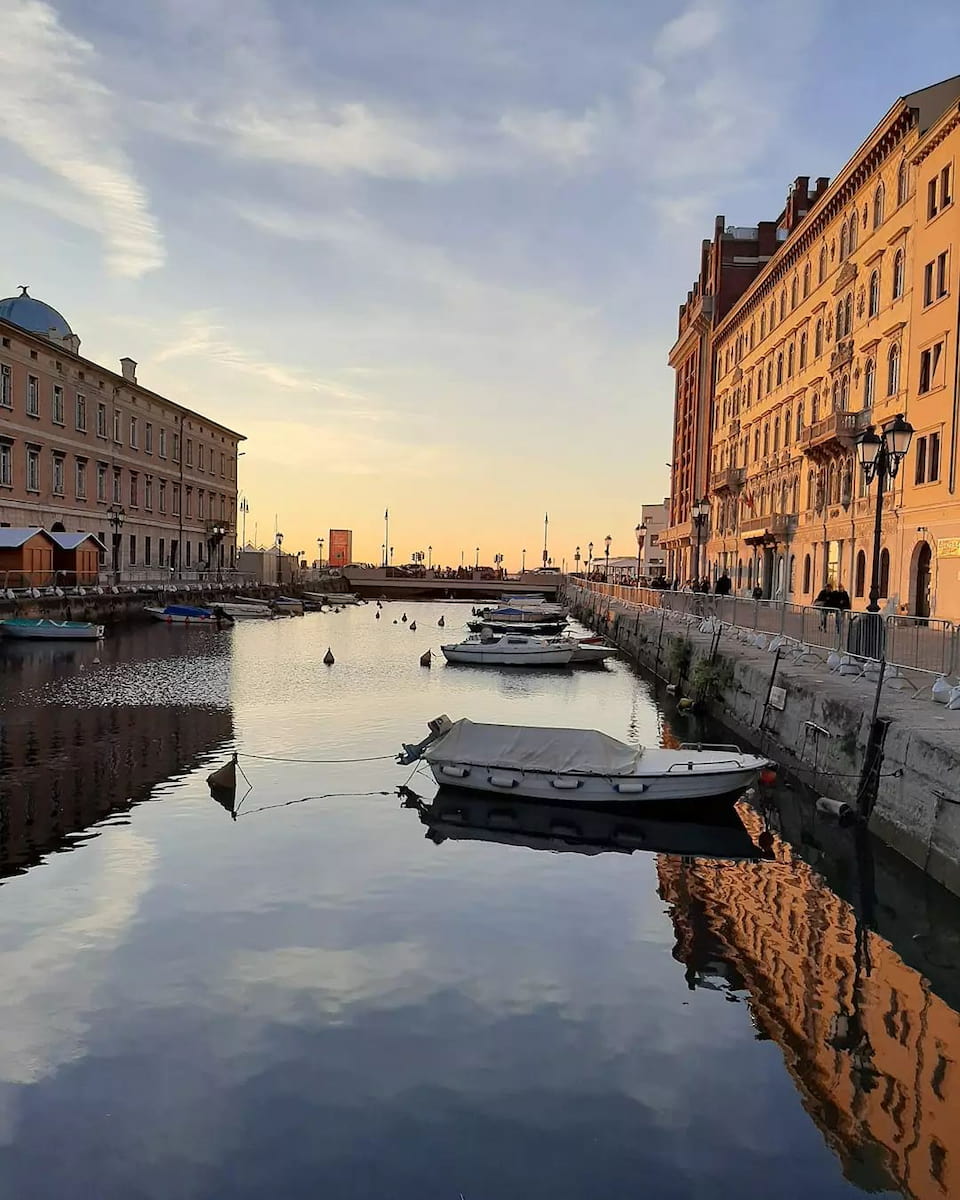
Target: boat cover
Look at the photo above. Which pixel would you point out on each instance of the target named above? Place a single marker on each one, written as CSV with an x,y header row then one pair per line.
x,y
528,748
187,610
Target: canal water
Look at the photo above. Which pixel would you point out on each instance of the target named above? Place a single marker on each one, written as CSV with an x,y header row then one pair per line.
x,y
328,993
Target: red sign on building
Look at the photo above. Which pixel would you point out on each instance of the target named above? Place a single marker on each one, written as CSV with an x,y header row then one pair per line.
x,y
341,547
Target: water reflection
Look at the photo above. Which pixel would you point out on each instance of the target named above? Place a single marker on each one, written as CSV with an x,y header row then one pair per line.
x,y
870,1046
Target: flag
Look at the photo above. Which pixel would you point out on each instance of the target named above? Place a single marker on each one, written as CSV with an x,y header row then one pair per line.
x,y
748,500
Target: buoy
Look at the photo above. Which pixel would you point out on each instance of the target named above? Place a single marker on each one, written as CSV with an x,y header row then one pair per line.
x,y
379,605
413,625
441,622
395,621
225,776
378,614
768,777
328,657
842,812
426,658
96,662
404,618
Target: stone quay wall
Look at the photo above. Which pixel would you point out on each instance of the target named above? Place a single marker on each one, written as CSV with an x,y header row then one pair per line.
x,y
901,772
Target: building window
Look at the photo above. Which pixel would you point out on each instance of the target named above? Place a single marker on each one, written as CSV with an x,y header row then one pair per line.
x,y
147,551
163,444
844,243
200,499
763,326
133,432
33,396
766,440
884,574
116,427
81,479
790,362
769,374
799,420
148,438
869,382
928,458
815,409
930,360
818,340
756,444
844,393
223,461
806,574
57,474
853,232
176,447
200,455
148,492
161,553
773,315
189,502
903,183
897,275
117,479
878,206
793,293
134,489
945,197
822,272
133,549
162,496
873,306
928,284
839,321
859,576
6,464
893,370
848,315
102,482
57,404
6,387
803,350
787,428
783,304
101,420
80,411
176,499
806,281
776,435
187,548
941,274
33,469
779,368
189,452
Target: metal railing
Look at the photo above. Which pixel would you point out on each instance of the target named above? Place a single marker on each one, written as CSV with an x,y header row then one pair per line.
x,y
919,643
13,583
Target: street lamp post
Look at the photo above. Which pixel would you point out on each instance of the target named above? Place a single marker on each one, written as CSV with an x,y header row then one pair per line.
x,y
217,533
880,457
576,559
243,508
115,515
279,559
523,563
429,558
589,559
476,561
641,532
320,550
700,512
606,570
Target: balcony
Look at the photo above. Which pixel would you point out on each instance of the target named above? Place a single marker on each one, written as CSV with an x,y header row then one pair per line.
x,y
676,535
766,529
727,482
835,432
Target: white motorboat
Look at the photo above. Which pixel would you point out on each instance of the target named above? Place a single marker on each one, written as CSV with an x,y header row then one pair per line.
x,y
589,651
335,599
288,606
523,614
39,629
510,650
188,614
578,766
247,610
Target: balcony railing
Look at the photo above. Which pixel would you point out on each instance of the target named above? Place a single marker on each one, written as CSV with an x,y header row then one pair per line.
x,y
839,428
767,527
673,535
730,480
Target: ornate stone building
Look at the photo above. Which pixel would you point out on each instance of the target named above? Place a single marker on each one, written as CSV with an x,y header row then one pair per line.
x,y
81,446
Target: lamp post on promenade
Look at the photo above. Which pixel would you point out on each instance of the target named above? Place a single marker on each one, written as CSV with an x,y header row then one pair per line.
x,y
279,559
589,559
641,532
606,570
429,558
576,559
700,512
115,515
880,457
320,550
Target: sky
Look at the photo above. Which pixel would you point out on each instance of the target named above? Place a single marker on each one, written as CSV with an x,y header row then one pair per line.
x,y
425,256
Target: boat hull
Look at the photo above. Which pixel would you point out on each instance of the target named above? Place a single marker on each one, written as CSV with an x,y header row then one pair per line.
x,y
53,631
641,788
484,656
158,614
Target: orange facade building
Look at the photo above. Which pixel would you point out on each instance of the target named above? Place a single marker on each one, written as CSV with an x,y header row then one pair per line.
x,y
341,547
853,319
81,444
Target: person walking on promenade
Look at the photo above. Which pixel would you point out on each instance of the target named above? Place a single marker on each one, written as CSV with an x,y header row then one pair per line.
x,y
841,602
826,599
723,585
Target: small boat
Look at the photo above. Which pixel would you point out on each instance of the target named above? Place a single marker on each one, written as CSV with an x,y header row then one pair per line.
x,y
188,614
549,627
579,766
590,651
43,630
509,650
523,614
247,610
332,598
288,605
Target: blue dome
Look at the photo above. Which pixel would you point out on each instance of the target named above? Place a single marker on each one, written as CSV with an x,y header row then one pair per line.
x,y
34,316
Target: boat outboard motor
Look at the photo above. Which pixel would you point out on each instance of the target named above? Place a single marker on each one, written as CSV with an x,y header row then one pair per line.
x,y
414,751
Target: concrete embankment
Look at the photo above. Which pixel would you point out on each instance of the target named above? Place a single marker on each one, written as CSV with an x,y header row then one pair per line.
x,y
900,771
110,608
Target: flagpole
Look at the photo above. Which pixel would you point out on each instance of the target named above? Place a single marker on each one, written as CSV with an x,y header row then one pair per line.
x,y
386,534
546,522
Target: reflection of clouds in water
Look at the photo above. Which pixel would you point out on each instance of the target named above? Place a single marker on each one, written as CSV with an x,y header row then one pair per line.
x,y
194,681
48,984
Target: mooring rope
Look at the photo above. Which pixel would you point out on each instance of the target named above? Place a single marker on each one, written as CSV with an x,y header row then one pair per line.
x,y
315,761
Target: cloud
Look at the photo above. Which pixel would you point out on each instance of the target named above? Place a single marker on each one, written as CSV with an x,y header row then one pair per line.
x,y
693,30
553,136
54,110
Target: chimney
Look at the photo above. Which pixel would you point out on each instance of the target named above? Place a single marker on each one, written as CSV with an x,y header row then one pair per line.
x,y
128,369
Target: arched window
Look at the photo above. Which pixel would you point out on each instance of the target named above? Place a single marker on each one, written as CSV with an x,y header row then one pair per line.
x,y
769,374
773,315
844,243
779,368
873,307
903,183
806,574
898,275
836,395
818,340
759,383
799,420
793,293
766,439
822,272
839,323
878,206
806,281
814,409
763,326
893,370
790,363
844,393
803,350
783,304
848,315
860,573
787,428
869,382
756,443
776,435
853,231
884,580
792,574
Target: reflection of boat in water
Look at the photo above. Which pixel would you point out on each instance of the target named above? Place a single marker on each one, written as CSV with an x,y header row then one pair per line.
x,y
456,816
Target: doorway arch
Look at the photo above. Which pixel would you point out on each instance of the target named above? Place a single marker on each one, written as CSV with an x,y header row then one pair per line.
x,y
920,579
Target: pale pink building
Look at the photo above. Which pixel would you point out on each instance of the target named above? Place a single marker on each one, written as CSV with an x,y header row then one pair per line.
x,y
84,448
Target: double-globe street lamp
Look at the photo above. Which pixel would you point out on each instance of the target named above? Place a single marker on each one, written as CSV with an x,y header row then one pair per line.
x,y
699,512
641,532
115,515
880,457
606,570
279,559
589,559
218,532
576,559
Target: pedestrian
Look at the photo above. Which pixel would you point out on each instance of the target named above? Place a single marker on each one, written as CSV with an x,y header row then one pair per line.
x,y
758,592
827,599
841,600
723,585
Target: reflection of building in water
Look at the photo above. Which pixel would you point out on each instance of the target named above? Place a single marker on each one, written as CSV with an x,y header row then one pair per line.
x,y
873,1051
62,768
